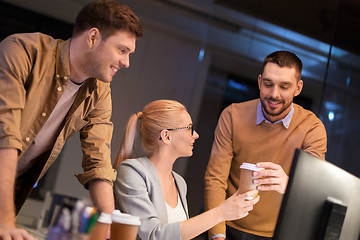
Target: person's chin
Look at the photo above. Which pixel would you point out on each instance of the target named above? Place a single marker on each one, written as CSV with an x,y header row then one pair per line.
x,y
106,80
273,112
187,154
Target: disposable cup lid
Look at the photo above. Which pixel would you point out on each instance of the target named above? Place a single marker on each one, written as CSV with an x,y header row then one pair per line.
x,y
124,218
250,166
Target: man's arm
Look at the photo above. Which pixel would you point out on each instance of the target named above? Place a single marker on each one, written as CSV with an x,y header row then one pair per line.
x,y
16,65
8,230
101,194
218,168
95,142
315,141
102,197
8,159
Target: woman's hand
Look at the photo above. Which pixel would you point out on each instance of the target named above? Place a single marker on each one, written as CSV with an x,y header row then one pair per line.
x,y
236,206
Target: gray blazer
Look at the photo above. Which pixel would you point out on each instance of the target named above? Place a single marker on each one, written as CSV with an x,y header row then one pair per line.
x,y
138,192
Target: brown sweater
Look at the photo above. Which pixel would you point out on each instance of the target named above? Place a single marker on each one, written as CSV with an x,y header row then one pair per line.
x,y
239,139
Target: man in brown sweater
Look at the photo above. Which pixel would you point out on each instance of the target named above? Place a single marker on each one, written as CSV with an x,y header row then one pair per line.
x,y
266,132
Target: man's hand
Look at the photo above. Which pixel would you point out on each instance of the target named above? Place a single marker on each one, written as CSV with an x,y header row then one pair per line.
x,y
8,232
272,178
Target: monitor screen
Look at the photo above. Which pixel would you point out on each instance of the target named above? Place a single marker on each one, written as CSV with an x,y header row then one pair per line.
x,y
322,201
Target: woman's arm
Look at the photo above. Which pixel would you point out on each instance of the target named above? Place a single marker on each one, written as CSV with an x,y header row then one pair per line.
x,y
232,208
138,192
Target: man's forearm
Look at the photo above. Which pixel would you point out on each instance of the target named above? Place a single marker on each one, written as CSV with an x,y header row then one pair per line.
x,y
8,163
102,196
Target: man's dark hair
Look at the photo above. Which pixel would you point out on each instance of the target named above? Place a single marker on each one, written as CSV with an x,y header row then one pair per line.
x,y
284,59
108,16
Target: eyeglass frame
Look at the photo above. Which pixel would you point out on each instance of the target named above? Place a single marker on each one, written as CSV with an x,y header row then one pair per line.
x,y
188,127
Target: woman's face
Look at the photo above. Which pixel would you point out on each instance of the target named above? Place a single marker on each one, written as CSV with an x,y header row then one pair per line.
x,y
182,138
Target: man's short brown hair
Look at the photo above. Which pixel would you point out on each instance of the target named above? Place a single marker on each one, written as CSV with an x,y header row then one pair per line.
x,y
108,16
284,59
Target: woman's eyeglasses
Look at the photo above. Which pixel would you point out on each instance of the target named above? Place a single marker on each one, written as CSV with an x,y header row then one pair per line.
x,y
189,127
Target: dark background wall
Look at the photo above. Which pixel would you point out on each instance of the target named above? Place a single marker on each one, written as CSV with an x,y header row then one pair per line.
x,y
15,19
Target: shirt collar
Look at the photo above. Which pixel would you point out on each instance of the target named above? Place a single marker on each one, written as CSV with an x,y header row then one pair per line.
x,y
62,69
285,121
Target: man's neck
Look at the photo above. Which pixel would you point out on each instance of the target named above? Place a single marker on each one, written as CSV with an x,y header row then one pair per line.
x,y
76,75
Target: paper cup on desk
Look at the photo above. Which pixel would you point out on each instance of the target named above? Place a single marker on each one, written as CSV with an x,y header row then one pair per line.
x,y
124,226
246,182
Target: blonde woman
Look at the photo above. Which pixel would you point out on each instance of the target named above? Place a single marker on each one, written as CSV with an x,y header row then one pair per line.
x,y
147,187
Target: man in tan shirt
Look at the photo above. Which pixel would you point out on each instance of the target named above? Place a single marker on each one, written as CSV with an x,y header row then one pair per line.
x,y
51,89
265,132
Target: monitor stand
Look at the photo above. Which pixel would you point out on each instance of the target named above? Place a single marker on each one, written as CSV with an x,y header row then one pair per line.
x,y
332,219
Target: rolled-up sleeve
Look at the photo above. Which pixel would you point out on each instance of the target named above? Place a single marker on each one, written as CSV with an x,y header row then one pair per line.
x,y
15,65
96,142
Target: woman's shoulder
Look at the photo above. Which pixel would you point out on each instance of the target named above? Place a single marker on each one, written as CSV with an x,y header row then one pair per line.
x,y
139,166
135,163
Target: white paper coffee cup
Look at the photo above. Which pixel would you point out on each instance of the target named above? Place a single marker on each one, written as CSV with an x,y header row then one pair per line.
x,y
246,181
124,226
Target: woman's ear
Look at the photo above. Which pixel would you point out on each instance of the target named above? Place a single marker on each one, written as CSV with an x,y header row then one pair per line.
x,y
164,136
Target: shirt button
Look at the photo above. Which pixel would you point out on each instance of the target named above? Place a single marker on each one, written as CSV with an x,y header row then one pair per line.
x,y
27,139
66,78
57,75
59,89
43,114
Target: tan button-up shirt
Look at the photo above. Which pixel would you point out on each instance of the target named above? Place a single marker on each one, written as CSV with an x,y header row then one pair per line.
x,y
34,71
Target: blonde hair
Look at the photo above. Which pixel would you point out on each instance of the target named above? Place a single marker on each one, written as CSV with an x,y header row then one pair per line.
x,y
156,116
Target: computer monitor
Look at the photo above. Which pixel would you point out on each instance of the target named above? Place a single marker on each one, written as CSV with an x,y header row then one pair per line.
x,y
322,201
